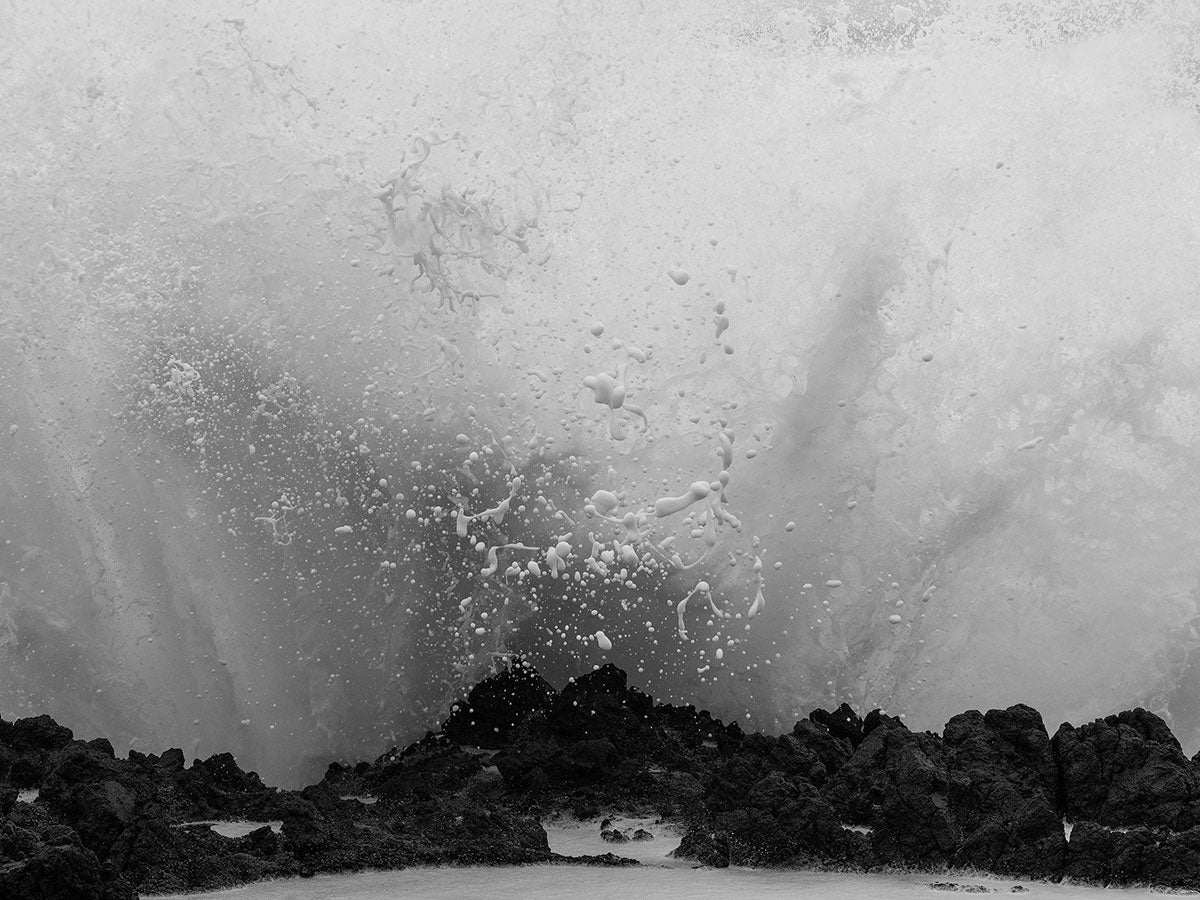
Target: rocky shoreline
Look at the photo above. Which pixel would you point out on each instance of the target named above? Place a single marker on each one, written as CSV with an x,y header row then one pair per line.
x,y
1113,802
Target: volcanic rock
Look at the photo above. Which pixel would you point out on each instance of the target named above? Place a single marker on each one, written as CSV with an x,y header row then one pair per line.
x,y
992,793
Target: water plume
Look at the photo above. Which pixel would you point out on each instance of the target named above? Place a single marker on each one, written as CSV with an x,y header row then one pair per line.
x,y
347,351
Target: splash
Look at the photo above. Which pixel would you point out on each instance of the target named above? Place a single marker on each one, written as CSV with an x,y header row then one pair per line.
x,y
345,355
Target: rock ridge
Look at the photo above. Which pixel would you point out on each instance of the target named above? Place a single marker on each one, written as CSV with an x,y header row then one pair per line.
x,y
1112,802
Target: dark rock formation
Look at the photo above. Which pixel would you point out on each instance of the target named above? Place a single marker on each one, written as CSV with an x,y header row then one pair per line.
x,y
497,705
1004,792
991,793
843,723
1127,769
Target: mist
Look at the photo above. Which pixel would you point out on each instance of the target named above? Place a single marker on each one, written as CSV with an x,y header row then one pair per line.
x,y
345,352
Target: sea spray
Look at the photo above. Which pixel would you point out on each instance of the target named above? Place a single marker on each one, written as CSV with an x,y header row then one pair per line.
x,y
291,299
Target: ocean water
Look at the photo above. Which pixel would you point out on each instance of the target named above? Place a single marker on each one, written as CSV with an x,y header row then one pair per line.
x,y
626,884
571,837
782,352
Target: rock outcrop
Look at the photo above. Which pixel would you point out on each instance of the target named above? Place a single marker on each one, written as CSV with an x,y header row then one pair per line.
x,y
1112,802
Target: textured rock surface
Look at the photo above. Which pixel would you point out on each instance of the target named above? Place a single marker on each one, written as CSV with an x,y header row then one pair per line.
x,y
991,793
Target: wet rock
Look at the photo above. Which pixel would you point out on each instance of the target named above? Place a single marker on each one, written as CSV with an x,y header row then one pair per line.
x,y
601,859
989,794
1024,841
8,799
681,794
423,771
1127,770
57,873
788,823
495,707
27,771
842,723
897,784
172,760
158,858
519,763
28,747
218,788
485,786
77,765
585,760
99,811
1004,756
493,837
601,705
37,734
1103,855
709,847
102,746
1003,792
831,752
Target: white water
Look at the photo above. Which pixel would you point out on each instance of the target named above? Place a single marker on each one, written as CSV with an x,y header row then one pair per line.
x,y
627,884
903,307
575,838
235,829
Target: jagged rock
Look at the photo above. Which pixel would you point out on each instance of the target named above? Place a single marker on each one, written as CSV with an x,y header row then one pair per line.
x,y
28,746
788,823
28,770
897,784
1005,755
687,727
1127,769
158,858
842,723
172,760
99,811
1173,860
77,765
485,786
585,760
1025,841
58,873
103,746
84,789
37,734
601,705
706,846
680,794
495,707
991,794
831,752
492,837
8,799
307,833
217,787
1104,855
519,762
424,771
1003,792
1121,856
601,859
